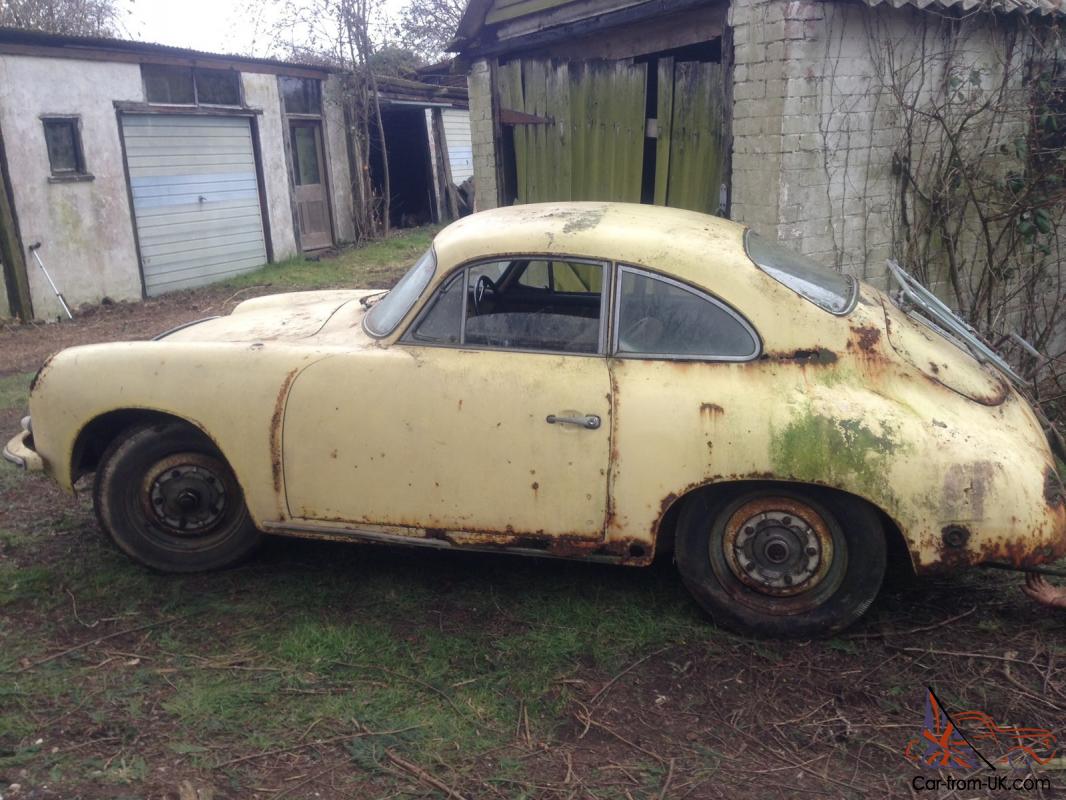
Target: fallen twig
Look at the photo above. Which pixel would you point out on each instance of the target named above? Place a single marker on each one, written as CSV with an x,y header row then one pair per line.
x,y
422,775
316,743
100,639
631,667
922,629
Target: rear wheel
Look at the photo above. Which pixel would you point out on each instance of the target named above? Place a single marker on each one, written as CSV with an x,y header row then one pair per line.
x,y
168,499
781,562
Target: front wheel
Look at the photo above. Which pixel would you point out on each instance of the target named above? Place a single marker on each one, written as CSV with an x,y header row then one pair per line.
x,y
781,562
168,499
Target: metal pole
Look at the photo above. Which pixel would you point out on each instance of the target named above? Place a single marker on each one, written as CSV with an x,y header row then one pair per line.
x,y
33,249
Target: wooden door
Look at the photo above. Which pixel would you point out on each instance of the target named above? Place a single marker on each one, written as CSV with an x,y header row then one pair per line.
x,y
309,180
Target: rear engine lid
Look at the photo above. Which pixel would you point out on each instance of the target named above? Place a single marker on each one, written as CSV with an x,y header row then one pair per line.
x,y
941,360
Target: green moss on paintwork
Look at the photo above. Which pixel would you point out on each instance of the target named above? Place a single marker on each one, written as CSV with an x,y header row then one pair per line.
x,y
846,453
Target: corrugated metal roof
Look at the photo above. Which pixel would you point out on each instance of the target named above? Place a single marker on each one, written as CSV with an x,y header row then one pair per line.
x,y
1041,7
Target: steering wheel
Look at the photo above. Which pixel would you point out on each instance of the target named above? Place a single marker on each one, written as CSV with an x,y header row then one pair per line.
x,y
484,283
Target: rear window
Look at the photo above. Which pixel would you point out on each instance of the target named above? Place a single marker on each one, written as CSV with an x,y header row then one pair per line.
x,y
831,290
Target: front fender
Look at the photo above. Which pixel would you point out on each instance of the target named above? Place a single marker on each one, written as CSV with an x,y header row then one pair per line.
x,y
232,392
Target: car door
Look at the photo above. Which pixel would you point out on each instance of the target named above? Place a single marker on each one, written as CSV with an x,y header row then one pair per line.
x,y
491,416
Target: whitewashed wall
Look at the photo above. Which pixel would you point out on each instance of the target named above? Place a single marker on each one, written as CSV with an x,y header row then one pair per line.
x,y
85,227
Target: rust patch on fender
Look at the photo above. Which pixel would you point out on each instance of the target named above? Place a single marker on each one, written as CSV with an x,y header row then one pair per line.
x,y
275,428
817,355
867,337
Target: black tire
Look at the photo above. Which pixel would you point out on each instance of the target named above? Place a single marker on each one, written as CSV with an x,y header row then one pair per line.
x,y
781,562
168,499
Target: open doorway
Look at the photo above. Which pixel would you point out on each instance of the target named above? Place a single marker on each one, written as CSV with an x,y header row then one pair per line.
x,y
410,173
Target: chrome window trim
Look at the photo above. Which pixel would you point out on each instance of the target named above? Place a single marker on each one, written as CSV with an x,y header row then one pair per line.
x,y
414,303
658,276
605,295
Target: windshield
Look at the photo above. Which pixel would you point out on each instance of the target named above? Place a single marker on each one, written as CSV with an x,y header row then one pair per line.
x,y
834,291
383,318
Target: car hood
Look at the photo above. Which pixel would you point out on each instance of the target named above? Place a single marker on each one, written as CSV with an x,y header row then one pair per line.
x,y
281,317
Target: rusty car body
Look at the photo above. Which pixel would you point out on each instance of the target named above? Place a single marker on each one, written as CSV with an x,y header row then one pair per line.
x,y
780,444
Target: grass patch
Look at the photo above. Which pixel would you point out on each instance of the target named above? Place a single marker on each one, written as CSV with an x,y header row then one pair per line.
x,y
14,390
378,263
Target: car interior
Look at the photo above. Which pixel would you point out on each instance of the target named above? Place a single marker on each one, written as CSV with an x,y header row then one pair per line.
x,y
535,305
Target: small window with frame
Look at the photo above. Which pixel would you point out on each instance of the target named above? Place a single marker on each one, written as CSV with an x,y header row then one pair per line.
x,y
66,158
217,87
168,85
300,95
187,86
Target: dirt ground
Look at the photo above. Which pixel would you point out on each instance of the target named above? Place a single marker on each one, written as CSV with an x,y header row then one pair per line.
x,y
323,670
24,347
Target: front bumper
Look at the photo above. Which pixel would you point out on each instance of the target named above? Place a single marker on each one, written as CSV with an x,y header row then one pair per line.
x,y
19,451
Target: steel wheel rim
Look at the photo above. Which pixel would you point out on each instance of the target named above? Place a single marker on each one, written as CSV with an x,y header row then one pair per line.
x,y
189,497
779,554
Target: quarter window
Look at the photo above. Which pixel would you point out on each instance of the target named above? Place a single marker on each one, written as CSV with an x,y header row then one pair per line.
x,y
659,317
62,137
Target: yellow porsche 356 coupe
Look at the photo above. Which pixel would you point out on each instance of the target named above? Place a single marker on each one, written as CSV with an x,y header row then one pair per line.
x,y
584,380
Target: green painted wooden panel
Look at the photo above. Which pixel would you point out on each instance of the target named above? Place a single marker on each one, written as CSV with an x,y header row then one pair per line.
x,y
696,158
664,117
594,147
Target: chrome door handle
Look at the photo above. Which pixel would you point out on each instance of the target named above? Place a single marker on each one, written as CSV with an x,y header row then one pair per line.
x,y
590,421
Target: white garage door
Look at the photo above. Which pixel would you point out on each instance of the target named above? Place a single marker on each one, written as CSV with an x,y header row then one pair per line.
x,y
457,136
195,198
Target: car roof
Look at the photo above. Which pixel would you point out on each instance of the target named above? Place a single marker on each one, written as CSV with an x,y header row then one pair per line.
x,y
669,239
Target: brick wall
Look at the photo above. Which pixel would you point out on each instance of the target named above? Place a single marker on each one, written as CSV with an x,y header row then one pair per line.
x,y
816,129
479,86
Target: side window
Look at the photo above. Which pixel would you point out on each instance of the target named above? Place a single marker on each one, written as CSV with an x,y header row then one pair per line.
x,y
659,317
535,305
62,137
442,323
536,275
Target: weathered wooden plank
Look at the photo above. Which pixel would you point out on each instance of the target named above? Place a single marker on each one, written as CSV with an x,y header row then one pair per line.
x,y
664,116
637,116
559,108
580,123
503,10
509,81
534,84
696,137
